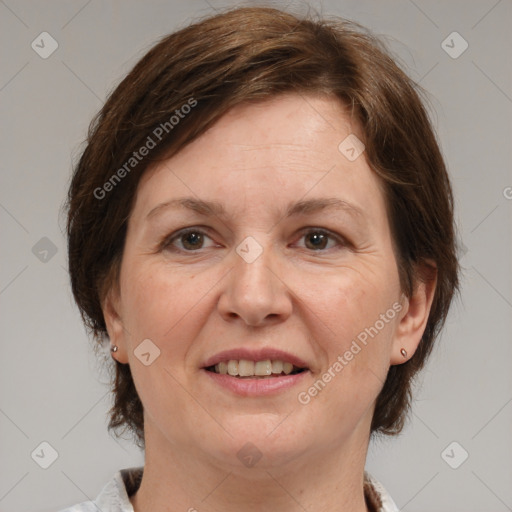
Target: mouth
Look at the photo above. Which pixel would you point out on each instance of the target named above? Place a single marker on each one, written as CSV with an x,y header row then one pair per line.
x,y
255,372
247,369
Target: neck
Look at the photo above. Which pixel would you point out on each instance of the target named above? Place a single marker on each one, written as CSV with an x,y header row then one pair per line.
x,y
176,479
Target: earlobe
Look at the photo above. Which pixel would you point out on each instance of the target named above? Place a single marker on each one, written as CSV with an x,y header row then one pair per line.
x,y
414,318
115,327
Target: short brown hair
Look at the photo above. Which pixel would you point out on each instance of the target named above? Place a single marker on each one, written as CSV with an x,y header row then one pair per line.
x,y
246,55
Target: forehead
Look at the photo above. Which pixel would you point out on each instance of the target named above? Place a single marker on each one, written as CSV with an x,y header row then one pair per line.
x,y
288,126
267,154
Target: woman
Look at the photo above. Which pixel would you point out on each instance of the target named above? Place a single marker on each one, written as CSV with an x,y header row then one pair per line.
x,y
262,226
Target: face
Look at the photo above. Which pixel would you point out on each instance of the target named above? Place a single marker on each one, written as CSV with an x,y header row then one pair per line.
x,y
260,242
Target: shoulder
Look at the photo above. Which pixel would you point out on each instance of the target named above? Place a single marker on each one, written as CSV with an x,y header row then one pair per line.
x,y
114,497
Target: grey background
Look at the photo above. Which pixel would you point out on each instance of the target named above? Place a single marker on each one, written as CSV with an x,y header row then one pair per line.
x,y
51,385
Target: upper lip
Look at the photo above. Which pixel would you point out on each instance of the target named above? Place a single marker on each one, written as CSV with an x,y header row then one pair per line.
x,y
259,354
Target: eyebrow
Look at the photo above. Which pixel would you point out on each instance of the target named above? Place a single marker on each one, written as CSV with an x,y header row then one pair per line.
x,y
214,208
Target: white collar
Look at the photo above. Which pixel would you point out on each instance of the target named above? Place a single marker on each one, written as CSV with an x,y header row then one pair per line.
x,y
114,497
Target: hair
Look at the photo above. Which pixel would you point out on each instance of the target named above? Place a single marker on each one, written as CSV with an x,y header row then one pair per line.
x,y
248,55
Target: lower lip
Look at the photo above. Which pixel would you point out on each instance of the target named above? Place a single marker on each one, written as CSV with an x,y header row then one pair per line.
x,y
256,387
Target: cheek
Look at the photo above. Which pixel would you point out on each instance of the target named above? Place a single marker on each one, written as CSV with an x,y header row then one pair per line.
x,y
155,300
355,343
354,324
349,301
156,307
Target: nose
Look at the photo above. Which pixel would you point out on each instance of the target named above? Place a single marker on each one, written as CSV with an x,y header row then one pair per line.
x,y
255,292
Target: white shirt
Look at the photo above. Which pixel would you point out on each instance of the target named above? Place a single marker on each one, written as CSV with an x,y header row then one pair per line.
x,y
114,497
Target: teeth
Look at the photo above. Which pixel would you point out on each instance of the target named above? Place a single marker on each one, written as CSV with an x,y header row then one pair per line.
x,y
246,368
277,366
263,368
233,368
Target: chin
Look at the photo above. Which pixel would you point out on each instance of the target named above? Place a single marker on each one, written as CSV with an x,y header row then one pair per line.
x,y
259,441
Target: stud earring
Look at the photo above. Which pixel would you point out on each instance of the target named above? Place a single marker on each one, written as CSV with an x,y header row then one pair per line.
x,y
114,348
402,351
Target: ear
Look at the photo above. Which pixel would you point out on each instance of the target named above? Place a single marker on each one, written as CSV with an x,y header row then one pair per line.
x,y
111,307
414,315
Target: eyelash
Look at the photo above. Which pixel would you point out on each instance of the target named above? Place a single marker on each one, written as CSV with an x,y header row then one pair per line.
x,y
168,241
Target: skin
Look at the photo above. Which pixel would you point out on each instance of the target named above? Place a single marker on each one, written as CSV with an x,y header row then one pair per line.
x,y
202,298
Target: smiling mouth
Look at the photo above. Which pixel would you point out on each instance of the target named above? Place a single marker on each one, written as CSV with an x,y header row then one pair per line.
x,y
245,369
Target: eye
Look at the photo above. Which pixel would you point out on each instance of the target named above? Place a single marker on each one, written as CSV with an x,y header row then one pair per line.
x,y
191,239
319,239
